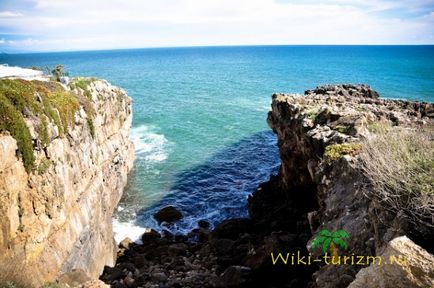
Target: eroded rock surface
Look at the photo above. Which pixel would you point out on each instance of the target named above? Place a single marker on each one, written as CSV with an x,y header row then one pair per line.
x,y
58,217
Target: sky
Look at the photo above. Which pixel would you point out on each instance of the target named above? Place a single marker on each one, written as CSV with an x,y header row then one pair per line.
x,y
68,25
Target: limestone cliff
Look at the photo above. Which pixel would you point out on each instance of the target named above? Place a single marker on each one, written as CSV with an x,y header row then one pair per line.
x,y
62,173
322,136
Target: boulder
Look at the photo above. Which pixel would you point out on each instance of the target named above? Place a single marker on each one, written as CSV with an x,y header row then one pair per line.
x,y
168,214
125,244
150,236
203,224
414,267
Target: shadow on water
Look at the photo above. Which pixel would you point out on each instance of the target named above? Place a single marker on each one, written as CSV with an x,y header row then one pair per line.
x,y
218,189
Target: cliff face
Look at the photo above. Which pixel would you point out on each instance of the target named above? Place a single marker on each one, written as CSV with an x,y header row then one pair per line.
x,y
57,201
321,137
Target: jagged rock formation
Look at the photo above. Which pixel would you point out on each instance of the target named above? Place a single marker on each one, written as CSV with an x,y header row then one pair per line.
x,y
320,135
57,209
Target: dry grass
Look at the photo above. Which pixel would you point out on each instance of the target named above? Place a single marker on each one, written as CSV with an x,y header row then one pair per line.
x,y
399,162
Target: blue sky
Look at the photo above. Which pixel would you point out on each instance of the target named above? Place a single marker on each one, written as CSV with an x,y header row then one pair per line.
x,y
63,25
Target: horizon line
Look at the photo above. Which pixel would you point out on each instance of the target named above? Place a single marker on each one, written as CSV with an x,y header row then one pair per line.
x,y
198,46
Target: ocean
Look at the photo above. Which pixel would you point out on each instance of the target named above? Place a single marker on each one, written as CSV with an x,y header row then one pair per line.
x,y
199,125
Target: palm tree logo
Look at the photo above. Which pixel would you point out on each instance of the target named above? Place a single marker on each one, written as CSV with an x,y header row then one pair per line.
x,y
328,240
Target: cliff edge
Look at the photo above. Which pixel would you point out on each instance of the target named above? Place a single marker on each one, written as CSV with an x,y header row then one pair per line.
x,y
368,164
65,155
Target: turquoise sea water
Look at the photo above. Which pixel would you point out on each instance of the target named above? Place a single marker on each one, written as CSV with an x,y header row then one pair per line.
x,y
202,142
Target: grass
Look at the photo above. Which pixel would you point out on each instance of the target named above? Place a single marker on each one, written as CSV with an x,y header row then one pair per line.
x,y
44,101
399,163
83,84
378,127
336,151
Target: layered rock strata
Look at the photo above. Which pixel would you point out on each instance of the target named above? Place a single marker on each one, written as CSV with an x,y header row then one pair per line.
x,y
57,214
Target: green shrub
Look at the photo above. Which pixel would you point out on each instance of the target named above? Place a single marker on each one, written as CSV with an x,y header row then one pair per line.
x,y
58,71
12,120
336,151
83,84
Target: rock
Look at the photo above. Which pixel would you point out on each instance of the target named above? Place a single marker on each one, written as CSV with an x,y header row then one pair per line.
x,y
203,224
150,236
59,218
129,281
332,116
232,228
416,268
125,244
139,260
160,277
177,249
74,278
93,284
112,273
168,214
233,276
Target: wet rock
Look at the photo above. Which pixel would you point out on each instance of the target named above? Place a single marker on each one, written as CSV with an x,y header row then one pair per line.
x,y
168,214
203,224
150,236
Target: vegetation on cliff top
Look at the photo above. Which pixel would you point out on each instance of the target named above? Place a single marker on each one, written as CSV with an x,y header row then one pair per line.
x,y
41,102
399,162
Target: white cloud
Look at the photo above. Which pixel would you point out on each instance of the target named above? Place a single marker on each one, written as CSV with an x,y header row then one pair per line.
x,y
98,24
9,14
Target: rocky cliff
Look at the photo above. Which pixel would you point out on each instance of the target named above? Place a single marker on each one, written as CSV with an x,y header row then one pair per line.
x,y
352,164
65,156
327,140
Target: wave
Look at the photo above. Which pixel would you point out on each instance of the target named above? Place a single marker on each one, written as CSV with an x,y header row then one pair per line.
x,y
150,146
122,230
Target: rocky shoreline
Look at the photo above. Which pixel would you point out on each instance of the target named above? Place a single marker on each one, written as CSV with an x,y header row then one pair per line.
x,y
320,185
59,199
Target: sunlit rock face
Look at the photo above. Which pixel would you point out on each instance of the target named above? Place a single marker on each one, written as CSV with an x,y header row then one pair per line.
x,y
58,217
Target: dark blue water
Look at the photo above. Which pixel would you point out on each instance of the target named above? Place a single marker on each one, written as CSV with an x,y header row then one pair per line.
x,y
202,143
